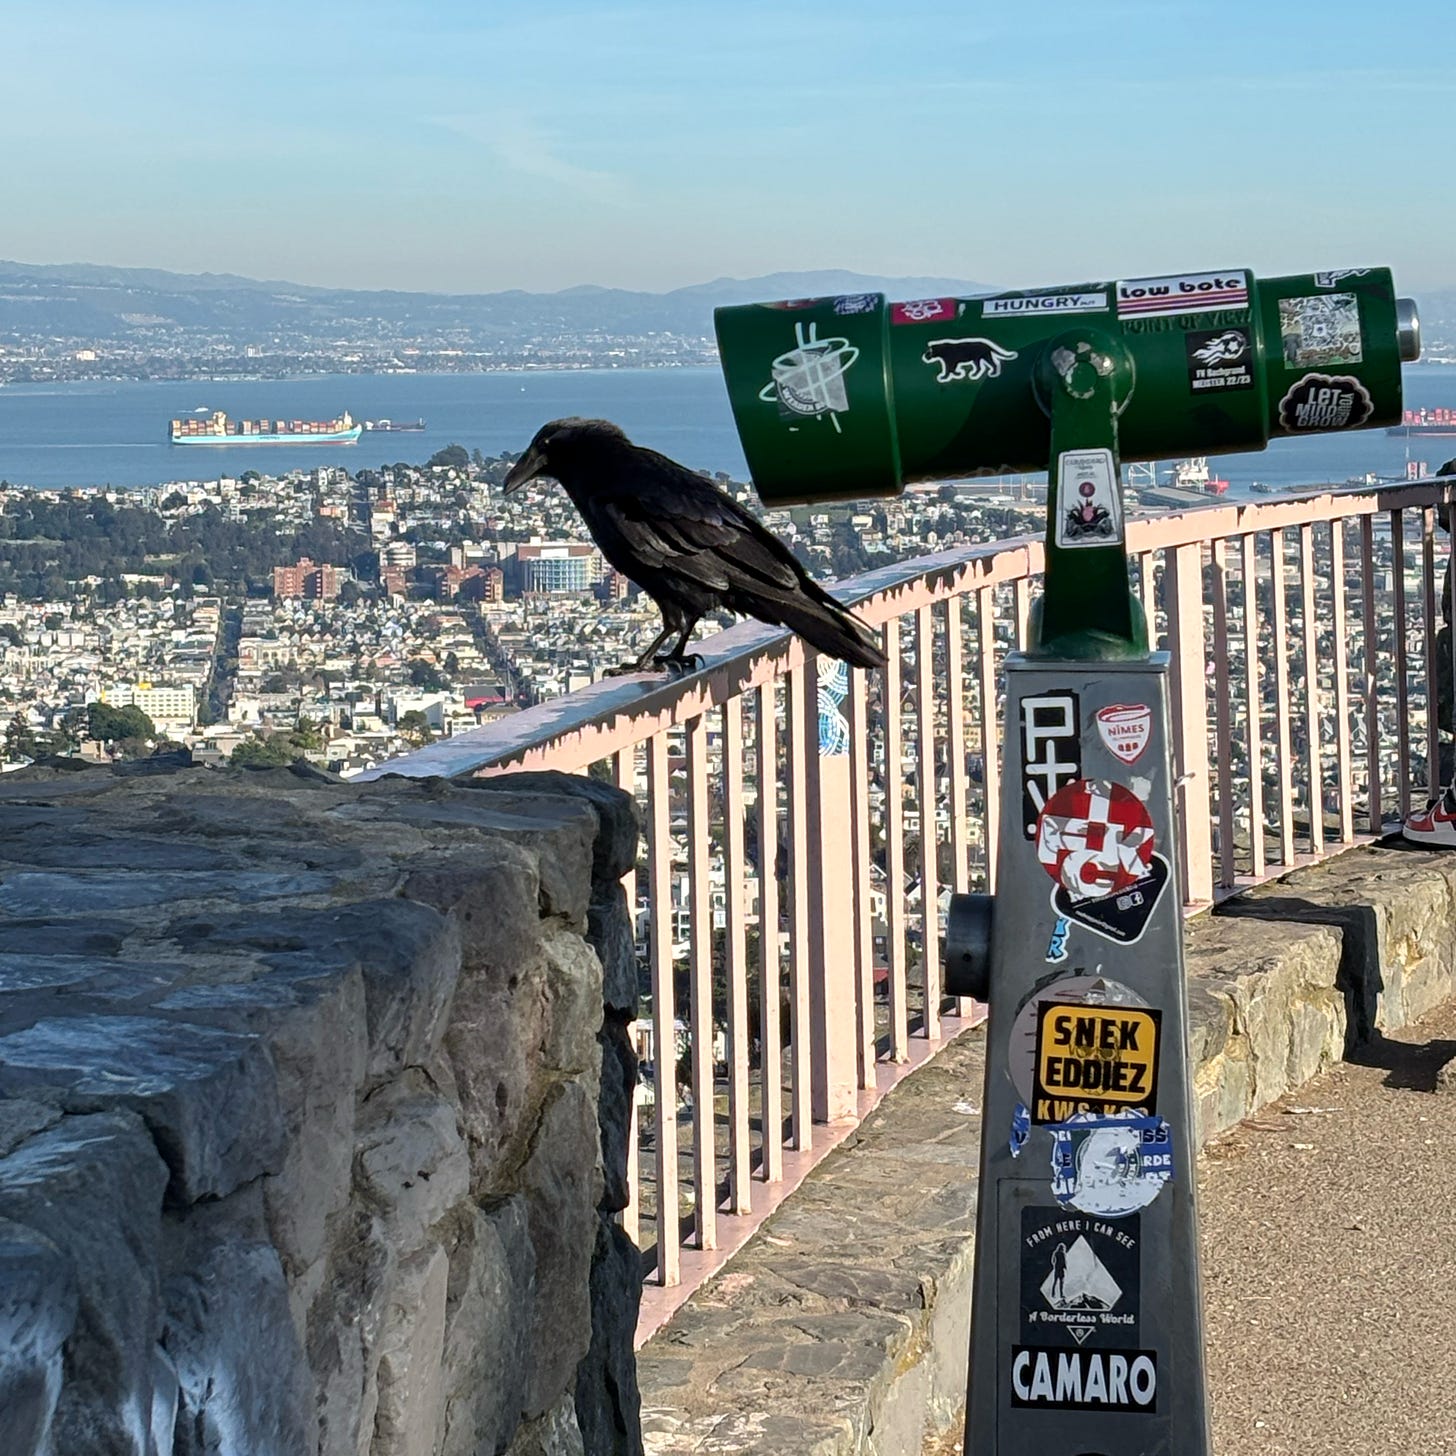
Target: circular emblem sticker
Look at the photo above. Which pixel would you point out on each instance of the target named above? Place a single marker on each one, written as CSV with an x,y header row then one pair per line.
x,y
1094,838
1110,1165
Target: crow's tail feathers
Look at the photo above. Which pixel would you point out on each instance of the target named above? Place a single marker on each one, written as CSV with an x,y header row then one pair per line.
x,y
830,629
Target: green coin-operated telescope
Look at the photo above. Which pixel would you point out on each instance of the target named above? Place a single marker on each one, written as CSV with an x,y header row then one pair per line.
x,y
848,397
1086,1333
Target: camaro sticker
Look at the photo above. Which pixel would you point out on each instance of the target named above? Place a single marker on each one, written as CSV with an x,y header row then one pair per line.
x,y
1084,1380
1110,1165
1094,1059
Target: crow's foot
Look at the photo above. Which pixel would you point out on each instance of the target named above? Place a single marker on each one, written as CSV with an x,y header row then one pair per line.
x,y
680,666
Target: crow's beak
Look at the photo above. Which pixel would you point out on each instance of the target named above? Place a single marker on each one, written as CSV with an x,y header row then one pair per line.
x,y
528,467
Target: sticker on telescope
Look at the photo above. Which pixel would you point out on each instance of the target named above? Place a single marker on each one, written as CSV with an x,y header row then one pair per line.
x,y
851,303
1323,328
1333,277
1126,729
1051,1378
1188,293
1020,1129
1044,303
808,380
1057,944
1219,359
1325,402
1051,751
973,359
1095,840
793,305
924,310
1110,1165
1089,508
1081,1278
1094,1059
1076,989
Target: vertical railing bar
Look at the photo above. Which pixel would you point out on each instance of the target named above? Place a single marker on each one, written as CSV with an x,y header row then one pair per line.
x,y
864,930
1344,767
1253,658
801,1115
624,776
1148,574
700,968
1021,595
1401,626
956,755
990,738
926,793
1183,583
1281,699
770,975
664,1040
1223,716
740,1151
895,847
1308,625
1428,585
1371,685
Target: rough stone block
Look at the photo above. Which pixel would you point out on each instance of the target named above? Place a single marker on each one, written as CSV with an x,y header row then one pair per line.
x,y
609,931
93,1185
38,1303
209,1096
408,1418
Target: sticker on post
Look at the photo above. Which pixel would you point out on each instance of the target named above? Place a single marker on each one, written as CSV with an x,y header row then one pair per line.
x,y
1110,1165
924,310
1186,293
1325,402
851,303
1219,359
1322,329
1094,1059
808,380
1057,944
966,359
1044,303
1051,751
1081,1278
1020,1129
1044,1378
1333,277
1089,507
1125,729
1095,840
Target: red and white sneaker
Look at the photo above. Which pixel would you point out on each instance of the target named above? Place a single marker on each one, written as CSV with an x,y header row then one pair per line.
x,y
1436,823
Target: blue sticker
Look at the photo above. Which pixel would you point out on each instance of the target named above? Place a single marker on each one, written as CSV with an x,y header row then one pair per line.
x,y
1110,1164
1020,1128
1057,945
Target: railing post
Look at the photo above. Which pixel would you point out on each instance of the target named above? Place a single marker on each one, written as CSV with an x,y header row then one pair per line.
x,y
1184,581
835,1061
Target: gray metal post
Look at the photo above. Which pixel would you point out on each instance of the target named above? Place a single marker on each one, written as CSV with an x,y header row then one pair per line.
x,y
1087,1321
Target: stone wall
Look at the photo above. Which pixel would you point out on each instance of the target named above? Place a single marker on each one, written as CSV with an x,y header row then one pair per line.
x,y
304,1095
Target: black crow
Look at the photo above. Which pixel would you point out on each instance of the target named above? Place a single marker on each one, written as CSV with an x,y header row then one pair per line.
x,y
685,543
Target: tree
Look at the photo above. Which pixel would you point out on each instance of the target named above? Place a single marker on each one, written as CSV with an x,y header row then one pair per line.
x,y
415,727
455,457
426,676
119,725
275,752
19,739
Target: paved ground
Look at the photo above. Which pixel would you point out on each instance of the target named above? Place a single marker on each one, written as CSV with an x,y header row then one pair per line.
x,y
1330,1261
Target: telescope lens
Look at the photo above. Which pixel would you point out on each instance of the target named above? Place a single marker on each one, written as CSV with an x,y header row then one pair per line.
x,y
1408,330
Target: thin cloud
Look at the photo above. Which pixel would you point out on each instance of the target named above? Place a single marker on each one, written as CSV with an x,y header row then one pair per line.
x,y
524,148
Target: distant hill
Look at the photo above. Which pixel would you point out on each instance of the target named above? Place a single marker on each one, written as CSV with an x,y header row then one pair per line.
x,y
83,300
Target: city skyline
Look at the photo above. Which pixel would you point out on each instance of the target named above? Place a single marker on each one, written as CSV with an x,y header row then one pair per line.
x,y
651,146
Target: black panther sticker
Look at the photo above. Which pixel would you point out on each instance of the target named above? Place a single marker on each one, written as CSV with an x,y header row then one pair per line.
x,y
966,358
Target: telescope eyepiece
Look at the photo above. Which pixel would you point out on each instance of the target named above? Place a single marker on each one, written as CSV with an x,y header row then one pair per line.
x,y
1407,330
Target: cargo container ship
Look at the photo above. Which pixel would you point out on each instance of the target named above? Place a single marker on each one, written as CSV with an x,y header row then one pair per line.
x,y
1425,422
394,427
217,429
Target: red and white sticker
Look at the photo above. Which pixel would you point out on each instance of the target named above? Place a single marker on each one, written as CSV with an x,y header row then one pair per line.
x,y
1186,293
1126,729
1095,838
924,310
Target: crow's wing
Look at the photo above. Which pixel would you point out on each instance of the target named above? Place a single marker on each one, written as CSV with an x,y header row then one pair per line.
x,y
674,521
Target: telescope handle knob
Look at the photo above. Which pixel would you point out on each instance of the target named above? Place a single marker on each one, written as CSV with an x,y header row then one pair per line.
x,y
967,958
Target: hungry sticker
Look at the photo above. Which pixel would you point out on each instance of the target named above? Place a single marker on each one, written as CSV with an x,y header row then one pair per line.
x,y
1044,303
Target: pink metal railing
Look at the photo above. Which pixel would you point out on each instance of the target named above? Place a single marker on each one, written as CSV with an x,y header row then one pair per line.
x,y
1292,739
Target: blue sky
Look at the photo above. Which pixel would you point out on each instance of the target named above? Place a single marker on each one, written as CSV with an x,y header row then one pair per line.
x,y
525,143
